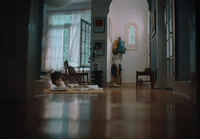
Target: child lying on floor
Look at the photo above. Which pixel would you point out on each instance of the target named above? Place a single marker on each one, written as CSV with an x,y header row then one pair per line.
x,y
57,80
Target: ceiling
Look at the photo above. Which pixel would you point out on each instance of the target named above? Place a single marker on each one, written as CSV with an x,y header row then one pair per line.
x,y
80,1
74,5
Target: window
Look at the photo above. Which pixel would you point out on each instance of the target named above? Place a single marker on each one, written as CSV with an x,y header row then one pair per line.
x,y
66,20
58,35
61,19
63,39
131,36
66,39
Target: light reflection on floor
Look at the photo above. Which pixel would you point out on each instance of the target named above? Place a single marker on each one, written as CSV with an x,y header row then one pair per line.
x,y
122,113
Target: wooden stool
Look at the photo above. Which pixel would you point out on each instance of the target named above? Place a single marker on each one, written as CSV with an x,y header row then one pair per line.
x,y
151,73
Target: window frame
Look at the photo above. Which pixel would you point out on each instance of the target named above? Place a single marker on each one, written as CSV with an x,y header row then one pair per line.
x,y
81,41
67,26
135,45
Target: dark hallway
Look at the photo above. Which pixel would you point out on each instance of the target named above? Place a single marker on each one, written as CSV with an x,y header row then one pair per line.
x,y
124,112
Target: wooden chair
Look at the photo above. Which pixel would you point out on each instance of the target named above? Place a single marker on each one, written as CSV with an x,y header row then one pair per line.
x,y
70,72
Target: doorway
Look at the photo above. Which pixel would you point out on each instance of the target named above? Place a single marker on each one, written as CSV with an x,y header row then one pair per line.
x,y
135,57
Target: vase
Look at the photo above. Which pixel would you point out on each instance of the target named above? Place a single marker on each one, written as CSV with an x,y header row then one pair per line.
x,y
96,66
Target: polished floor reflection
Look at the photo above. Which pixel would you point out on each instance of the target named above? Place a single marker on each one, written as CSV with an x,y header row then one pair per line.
x,y
122,113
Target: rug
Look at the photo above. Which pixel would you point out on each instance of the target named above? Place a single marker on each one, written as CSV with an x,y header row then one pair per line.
x,y
70,91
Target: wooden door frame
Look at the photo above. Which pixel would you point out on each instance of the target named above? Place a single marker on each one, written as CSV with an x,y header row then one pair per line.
x,y
172,78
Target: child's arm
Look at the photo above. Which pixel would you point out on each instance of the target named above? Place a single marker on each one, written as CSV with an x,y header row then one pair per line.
x,y
62,84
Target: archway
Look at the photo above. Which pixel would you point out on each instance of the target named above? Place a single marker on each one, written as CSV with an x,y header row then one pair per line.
x,y
120,14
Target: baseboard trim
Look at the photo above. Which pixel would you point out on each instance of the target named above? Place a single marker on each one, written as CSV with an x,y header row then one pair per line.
x,y
39,87
11,100
183,88
132,84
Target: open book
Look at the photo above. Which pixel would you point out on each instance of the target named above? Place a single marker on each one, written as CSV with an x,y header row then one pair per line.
x,y
60,89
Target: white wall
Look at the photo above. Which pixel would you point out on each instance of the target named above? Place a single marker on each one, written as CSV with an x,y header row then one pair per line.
x,y
121,13
109,43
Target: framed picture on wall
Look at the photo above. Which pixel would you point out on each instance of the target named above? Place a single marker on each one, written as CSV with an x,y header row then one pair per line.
x,y
100,46
153,23
99,25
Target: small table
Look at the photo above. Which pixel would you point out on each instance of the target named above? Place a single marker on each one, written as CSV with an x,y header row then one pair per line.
x,y
151,73
81,66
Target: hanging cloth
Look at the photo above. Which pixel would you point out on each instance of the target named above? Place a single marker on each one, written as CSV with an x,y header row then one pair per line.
x,y
114,70
121,48
114,50
120,69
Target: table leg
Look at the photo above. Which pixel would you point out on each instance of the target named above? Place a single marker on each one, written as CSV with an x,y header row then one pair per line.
x,y
77,78
83,80
136,80
152,81
80,80
87,80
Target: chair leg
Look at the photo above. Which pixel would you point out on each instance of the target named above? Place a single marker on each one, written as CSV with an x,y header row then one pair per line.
x,y
80,79
152,81
87,80
120,81
77,79
83,80
136,80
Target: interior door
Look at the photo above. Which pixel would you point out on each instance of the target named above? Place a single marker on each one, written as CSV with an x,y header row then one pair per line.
x,y
170,57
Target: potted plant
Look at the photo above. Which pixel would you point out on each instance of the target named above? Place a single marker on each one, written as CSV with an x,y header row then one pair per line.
x,y
94,56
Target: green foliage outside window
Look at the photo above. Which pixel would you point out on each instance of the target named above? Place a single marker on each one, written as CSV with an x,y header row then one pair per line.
x,y
68,18
131,35
61,19
65,44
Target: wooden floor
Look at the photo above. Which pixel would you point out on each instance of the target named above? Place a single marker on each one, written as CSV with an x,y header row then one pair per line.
x,y
122,113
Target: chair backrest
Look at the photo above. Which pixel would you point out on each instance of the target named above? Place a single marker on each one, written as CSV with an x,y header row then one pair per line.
x,y
66,67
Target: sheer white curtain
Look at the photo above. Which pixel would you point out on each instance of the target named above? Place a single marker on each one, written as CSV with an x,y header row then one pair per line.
x,y
74,57
54,44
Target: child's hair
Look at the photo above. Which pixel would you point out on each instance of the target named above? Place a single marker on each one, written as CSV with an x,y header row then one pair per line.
x,y
55,76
